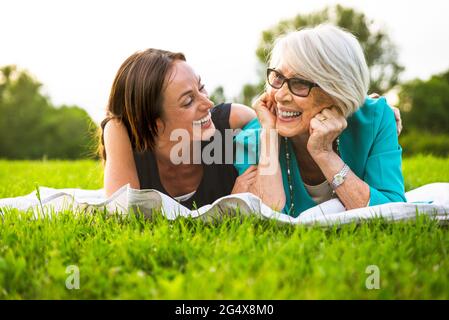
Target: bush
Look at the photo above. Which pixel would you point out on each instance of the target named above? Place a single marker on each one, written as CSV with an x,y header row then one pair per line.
x,y
420,142
31,127
425,104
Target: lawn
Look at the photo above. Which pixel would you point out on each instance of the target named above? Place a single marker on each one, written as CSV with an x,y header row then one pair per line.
x,y
129,257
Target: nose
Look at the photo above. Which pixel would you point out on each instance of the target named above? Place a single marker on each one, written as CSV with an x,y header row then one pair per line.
x,y
205,102
283,93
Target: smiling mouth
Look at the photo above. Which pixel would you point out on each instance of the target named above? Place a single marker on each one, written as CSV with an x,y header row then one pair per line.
x,y
203,122
288,115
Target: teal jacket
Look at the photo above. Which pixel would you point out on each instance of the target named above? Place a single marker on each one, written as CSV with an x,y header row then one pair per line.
x,y
369,146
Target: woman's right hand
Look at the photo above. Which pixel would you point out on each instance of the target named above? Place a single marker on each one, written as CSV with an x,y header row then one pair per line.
x,y
266,111
245,180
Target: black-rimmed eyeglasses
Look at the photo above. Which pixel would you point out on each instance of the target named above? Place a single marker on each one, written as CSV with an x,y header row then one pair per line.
x,y
299,87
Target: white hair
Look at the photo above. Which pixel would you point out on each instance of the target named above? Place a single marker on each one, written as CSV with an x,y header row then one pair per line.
x,y
330,57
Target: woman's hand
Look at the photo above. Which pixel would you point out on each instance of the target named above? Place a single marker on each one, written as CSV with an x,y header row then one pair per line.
x,y
245,181
325,127
266,111
397,116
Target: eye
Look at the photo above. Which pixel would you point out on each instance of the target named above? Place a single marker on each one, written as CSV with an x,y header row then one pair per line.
x,y
277,78
299,84
189,101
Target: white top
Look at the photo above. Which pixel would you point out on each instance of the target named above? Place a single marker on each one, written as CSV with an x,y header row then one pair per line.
x,y
320,193
184,197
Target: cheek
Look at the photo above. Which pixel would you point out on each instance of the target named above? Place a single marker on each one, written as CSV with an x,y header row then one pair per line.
x,y
271,93
309,112
182,115
310,106
320,101
306,117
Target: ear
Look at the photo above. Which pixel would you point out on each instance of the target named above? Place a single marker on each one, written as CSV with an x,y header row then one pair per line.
x,y
160,126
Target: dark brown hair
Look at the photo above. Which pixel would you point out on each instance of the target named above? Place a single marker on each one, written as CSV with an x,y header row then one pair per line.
x,y
137,95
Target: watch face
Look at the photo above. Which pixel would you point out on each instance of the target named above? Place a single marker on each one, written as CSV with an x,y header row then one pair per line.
x,y
338,179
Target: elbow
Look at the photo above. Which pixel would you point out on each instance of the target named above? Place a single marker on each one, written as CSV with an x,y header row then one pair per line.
x,y
270,192
396,197
378,197
111,187
275,202
281,204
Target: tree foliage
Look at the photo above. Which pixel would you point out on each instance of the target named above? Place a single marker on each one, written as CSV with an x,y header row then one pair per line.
x,y
380,52
32,128
218,95
425,104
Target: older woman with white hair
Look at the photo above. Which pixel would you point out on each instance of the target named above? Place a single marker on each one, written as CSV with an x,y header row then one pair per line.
x,y
330,140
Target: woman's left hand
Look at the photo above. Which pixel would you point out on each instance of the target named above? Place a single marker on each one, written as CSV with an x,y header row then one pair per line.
x,y
397,117
325,127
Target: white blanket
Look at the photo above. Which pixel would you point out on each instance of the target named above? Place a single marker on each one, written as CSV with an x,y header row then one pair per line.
x,y
431,199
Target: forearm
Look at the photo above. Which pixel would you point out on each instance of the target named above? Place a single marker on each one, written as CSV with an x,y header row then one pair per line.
x,y
354,192
268,185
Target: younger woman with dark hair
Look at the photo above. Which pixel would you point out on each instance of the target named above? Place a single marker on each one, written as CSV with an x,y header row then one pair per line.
x,y
155,93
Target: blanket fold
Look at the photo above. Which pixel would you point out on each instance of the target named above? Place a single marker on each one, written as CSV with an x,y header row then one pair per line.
x,y
431,199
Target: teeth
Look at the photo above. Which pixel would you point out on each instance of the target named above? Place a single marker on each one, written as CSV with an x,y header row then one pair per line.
x,y
290,114
203,120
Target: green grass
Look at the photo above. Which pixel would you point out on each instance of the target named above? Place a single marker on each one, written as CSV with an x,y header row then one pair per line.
x,y
129,257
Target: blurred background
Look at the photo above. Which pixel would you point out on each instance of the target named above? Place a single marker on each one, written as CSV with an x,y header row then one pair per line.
x,y
58,60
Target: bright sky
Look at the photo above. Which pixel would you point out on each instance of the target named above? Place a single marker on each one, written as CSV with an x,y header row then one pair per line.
x,y
75,47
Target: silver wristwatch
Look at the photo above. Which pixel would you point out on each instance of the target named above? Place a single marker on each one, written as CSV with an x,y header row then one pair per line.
x,y
340,177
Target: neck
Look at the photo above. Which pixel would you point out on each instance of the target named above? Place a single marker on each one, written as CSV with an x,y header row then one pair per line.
x,y
163,154
300,144
170,172
310,171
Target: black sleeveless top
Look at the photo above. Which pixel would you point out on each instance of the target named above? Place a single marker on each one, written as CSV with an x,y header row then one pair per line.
x,y
218,179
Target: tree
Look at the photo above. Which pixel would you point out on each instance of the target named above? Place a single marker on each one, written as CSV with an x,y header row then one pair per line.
x,y
249,92
425,104
31,127
218,95
22,109
380,52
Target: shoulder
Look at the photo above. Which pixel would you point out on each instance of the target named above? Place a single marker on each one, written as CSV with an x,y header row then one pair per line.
x,y
116,138
383,115
247,143
377,109
240,115
232,115
249,135
115,128
373,115
120,167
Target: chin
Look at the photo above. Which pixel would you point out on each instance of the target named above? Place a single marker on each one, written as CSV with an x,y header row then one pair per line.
x,y
204,134
289,130
208,133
